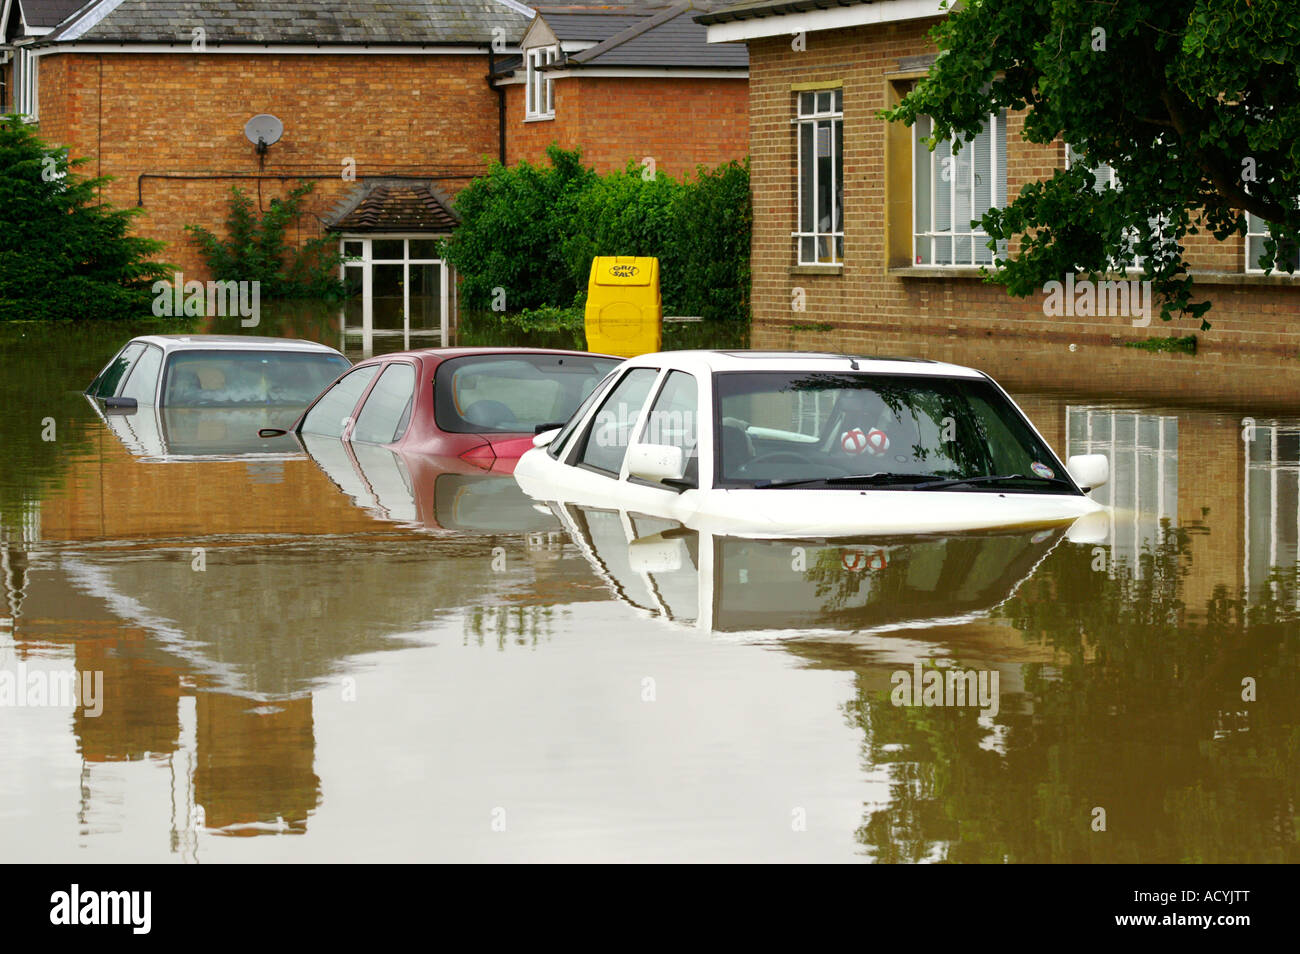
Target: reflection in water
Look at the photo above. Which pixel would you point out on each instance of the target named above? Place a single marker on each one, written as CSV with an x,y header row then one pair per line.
x,y
327,644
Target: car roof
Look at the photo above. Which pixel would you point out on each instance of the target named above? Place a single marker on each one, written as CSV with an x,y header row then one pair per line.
x,y
233,343
737,360
444,353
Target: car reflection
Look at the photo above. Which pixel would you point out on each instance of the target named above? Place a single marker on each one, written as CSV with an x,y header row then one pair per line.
x,y
429,492
175,434
728,584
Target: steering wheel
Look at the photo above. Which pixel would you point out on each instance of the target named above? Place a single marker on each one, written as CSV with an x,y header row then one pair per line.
x,y
774,457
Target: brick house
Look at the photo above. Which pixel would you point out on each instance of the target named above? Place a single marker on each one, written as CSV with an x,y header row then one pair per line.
x,y
22,23
389,107
852,222
625,81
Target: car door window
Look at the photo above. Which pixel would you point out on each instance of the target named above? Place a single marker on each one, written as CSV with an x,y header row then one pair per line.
x,y
611,429
143,382
109,379
672,420
331,413
557,446
387,411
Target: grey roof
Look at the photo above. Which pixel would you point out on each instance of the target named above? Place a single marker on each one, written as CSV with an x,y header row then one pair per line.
x,y
47,13
409,22
599,7
670,38
758,9
591,27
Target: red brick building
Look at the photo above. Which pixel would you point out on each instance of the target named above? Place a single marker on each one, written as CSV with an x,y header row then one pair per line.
x,y
625,81
851,226
389,107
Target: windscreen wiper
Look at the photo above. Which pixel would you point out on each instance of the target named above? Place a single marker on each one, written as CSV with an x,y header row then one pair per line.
x,y
992,479
882,477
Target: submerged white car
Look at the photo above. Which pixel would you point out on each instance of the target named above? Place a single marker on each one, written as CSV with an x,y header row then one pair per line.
x,y
776,445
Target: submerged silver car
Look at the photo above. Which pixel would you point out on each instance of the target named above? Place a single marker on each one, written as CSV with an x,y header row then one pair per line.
x,y
216,371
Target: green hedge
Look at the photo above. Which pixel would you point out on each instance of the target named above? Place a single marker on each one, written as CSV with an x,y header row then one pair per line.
x,y
528,235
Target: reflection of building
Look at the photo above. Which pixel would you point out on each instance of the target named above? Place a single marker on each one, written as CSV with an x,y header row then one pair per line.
x,y
1272,500
139,700
1143,488
254,765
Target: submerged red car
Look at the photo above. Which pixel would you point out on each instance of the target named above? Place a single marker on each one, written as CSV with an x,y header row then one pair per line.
x,y
482,405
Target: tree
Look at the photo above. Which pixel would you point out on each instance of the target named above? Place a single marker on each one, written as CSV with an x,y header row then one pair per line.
x,y
1195,104
513,223
64,254
256,249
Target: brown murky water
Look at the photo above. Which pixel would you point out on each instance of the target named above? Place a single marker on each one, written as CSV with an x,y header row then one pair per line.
x,y
353,657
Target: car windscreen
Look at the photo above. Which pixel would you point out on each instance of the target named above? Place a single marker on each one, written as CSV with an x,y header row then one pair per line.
x,y
513,393
248,378
902,431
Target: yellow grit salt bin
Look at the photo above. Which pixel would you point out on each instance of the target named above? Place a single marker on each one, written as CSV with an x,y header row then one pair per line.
x,y
625,314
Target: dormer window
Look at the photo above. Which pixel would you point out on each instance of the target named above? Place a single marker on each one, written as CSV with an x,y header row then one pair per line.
x,y
539,91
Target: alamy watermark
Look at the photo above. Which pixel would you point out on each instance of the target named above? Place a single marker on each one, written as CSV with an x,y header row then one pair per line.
x,y
614,427
1108,299
946,687
22,688
195,299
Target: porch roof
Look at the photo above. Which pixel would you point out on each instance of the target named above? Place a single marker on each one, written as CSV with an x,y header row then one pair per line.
x,y
394,206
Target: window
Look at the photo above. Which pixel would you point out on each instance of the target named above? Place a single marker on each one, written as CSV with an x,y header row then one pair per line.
x,y
610,431
106,384
906,429
387,410
143,383
1257,232
820,125
26,88
953,189
1272,508
672,420
539,90
513,394
330,416
1143,488
1104,177
248,378
557,443
395,286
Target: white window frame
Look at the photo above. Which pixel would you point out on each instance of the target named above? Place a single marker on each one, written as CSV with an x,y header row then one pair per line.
x,y
539,89
1257,228
365,262
1142,519
1104,176
997,123
828,244
26,79
1276,468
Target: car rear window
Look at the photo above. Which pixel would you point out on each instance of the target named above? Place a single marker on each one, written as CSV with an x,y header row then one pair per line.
x,y
248,378
513,393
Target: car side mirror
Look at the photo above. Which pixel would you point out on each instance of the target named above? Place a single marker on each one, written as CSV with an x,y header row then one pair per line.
x,y
545,437
1089,471
657,462
120,405
657,554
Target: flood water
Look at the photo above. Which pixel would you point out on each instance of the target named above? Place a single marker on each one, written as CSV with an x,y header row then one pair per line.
x,y
368,658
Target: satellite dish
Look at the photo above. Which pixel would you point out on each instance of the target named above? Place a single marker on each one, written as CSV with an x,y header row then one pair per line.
x,y
263,130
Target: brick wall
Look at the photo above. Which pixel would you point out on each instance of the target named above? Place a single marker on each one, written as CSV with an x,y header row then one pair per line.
x,y
681,123
868,298
184,114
